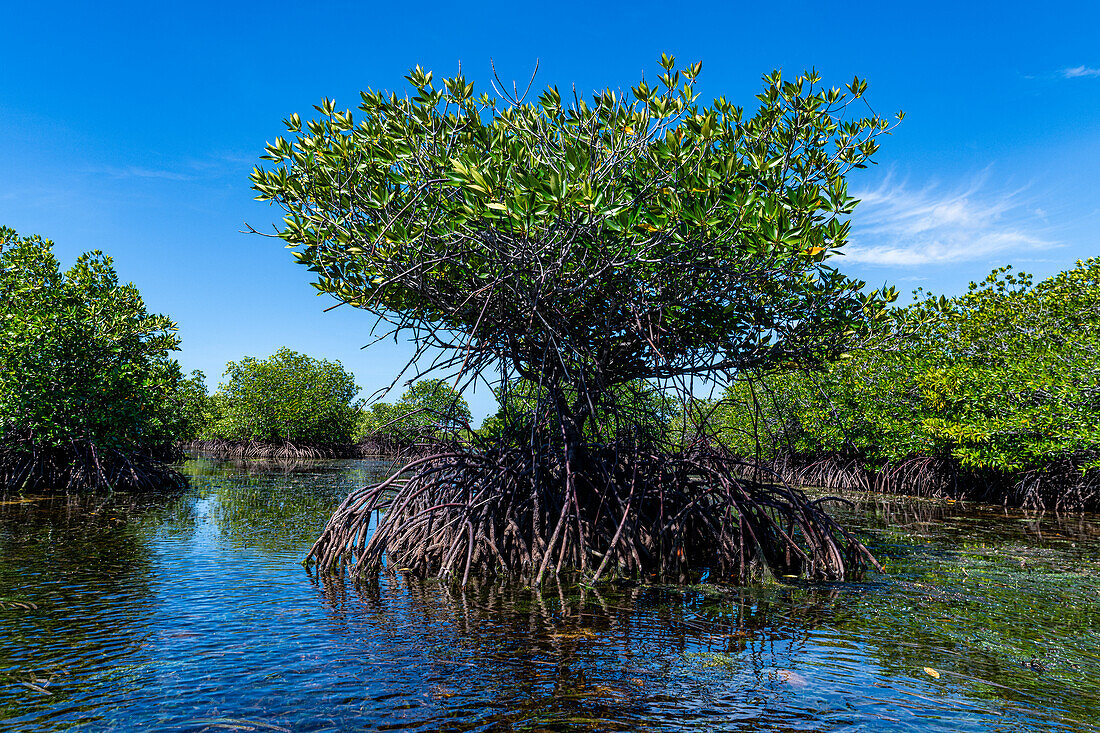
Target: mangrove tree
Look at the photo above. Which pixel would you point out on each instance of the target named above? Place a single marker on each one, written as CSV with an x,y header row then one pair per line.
x,y
88,390
576,245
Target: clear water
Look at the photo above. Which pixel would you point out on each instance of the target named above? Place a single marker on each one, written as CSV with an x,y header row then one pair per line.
x,y
194,613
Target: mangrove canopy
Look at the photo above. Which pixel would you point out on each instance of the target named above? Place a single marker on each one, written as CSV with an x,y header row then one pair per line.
x,y
992,394
288,397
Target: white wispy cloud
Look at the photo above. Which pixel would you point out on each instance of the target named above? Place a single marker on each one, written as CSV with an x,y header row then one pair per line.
x,y
896,225
133,171
1076,72
204,167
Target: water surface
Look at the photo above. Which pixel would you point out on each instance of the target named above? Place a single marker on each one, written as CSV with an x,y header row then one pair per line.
x,y
194,613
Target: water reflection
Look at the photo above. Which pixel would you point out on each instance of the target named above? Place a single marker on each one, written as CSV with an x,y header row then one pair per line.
x,y
76,577
193,613
573,658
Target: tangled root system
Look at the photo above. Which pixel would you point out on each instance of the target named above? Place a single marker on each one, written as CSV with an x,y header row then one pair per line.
x,y
83,466
602,509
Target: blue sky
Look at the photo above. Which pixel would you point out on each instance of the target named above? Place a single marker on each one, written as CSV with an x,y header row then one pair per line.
x,y
132,127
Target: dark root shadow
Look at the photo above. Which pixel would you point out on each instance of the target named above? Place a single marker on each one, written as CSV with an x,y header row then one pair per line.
x,y
84,466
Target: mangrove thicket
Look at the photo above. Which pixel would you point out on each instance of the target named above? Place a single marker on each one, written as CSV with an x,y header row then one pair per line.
x,y
288,405
88,389
993,394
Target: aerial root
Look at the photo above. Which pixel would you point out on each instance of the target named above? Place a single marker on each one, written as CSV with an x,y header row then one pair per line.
x,y
1058,486
81,465
598,510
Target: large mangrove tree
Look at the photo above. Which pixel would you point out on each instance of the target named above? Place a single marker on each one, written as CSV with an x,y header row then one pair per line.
x,y
587,249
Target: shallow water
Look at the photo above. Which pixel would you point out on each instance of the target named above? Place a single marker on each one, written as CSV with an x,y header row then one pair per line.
x,y
194,613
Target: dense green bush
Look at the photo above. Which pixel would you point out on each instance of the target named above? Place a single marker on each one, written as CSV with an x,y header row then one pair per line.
x,y
428,407
288,397
1004,378
83,366
1015,382
80,357
199,410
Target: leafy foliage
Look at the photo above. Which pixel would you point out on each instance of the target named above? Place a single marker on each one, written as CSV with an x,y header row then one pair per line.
x,y
380,419
287,397
570,253
589,244
81,359
428,407
1004,378
198,409
1015,383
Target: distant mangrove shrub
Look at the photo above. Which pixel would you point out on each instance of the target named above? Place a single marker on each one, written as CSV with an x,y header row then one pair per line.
x,y
1004,379
287,397
87,386
428,408
198,409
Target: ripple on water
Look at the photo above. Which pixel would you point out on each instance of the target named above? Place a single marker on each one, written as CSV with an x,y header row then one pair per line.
x,y
194,613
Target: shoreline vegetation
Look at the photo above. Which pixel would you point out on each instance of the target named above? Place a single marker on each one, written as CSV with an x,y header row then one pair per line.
x,y
992,395
1059,488
290,451
880,392
88,391
271,419
81,465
